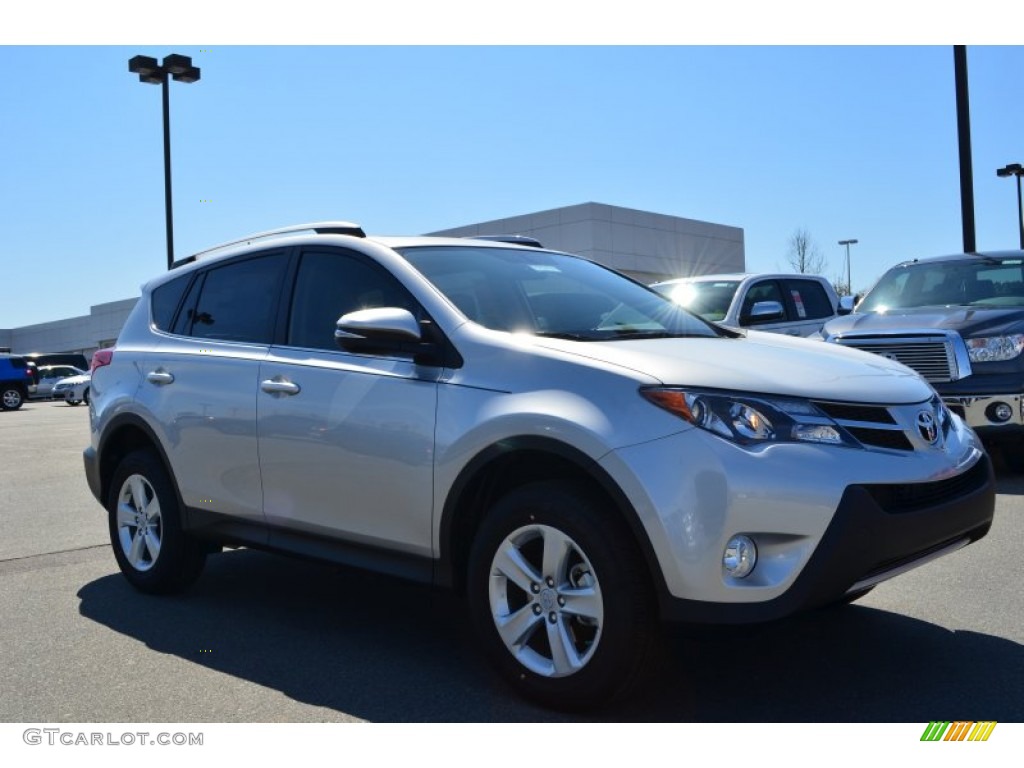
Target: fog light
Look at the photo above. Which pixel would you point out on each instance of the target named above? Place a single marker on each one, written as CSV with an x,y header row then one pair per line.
x,y
999,412
740,556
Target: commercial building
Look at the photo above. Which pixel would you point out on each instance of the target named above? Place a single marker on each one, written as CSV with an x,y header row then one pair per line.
x,y
646,246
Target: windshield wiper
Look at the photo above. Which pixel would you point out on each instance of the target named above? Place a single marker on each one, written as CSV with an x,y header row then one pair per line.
x,y
564,335
637,333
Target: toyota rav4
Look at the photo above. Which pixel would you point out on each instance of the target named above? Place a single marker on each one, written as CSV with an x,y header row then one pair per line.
x,y
577,454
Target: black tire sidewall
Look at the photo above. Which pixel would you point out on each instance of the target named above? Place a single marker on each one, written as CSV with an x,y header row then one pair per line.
x,y
629,620
3,397
181,558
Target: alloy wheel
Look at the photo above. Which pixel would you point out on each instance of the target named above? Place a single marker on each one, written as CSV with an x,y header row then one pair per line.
x,y
546,601
139,525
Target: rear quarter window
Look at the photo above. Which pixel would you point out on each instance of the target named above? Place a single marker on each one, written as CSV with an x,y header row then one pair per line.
x,y
165,302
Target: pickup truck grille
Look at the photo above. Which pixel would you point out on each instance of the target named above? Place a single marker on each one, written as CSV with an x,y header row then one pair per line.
x,y
934,358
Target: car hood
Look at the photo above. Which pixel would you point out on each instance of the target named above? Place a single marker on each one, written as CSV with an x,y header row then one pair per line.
x,y
969,321
767,363
74,379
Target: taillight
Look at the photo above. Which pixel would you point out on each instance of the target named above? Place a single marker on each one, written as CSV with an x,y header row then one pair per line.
x,y
100,358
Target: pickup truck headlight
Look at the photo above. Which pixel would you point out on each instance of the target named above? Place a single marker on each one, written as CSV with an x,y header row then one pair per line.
x,y
993,349
750,420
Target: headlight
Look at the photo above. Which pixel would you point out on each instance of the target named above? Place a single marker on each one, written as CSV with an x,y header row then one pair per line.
x,y
992,349
750,420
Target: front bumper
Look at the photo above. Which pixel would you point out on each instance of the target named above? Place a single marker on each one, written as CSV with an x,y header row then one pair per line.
x,y
978,412
878,532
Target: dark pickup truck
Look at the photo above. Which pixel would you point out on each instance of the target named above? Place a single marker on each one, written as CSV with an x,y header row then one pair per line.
x,y
959,322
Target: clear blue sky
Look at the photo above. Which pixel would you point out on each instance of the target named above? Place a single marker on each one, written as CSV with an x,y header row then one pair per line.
x,y
843,141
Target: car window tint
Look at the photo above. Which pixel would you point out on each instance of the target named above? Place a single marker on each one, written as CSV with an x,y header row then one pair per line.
x,y
809,299
165,301
238,302
330,284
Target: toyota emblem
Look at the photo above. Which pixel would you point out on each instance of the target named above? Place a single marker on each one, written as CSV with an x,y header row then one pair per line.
x,y
927,427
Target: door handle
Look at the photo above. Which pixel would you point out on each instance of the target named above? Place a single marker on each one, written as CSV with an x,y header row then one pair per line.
x,y
159,377
279,386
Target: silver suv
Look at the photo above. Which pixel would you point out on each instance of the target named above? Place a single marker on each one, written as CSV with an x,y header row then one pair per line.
x,y
579,455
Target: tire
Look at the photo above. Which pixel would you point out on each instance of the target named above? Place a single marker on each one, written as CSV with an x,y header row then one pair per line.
x,y
151,548
11,397
70,401
560,598
85,396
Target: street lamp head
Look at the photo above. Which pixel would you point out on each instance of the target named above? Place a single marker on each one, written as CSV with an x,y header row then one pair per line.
x,y
1013,169
847,242
175,63
143,65
190,75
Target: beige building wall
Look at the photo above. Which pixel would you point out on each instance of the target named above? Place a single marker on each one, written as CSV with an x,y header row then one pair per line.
x,y
646,246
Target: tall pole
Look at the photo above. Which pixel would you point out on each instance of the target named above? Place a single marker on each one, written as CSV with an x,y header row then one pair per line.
x,y
963,122
174,67
849,280
167,170
1020,215
1016,169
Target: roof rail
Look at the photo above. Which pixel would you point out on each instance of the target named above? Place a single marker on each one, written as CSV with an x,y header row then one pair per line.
x,y
320,227
514,239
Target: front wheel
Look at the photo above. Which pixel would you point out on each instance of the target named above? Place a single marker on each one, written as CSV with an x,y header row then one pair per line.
x,y
152,549
560,598
11,398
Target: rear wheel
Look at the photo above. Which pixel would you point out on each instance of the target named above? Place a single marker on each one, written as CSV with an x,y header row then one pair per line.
x,y
560,598
152,550
11,397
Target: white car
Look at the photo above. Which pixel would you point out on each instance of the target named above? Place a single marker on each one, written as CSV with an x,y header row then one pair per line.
x,y
794,304
49,375
574,452
73,390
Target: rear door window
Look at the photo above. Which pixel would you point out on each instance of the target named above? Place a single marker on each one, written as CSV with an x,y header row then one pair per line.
x,y
239,301
807,299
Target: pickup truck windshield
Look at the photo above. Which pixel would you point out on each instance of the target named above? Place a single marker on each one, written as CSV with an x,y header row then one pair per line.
x,y
975,282
709,299
550,294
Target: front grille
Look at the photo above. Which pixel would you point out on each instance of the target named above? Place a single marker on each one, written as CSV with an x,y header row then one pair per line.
x,y
911,497
872,425
882,438
848,412
932,358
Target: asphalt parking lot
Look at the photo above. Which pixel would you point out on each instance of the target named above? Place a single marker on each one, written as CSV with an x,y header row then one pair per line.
x,y
266,639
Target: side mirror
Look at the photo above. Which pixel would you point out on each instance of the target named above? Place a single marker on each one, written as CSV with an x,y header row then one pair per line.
x,y
846,304
381,324
765,312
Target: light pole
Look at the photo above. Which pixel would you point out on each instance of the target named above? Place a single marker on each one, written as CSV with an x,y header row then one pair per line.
x,y
1015,169
179,68
849,281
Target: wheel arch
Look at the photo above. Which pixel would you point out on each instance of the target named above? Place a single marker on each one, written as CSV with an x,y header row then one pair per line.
x,y
125,434
511,463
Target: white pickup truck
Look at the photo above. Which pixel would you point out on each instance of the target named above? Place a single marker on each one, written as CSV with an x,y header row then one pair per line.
x,y
794,304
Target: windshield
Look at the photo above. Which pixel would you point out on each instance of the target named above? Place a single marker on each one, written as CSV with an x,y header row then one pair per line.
x,y
975,282
550,294
708,298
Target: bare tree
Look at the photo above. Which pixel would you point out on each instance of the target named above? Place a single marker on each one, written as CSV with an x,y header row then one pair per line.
x,y
839,283
804,255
